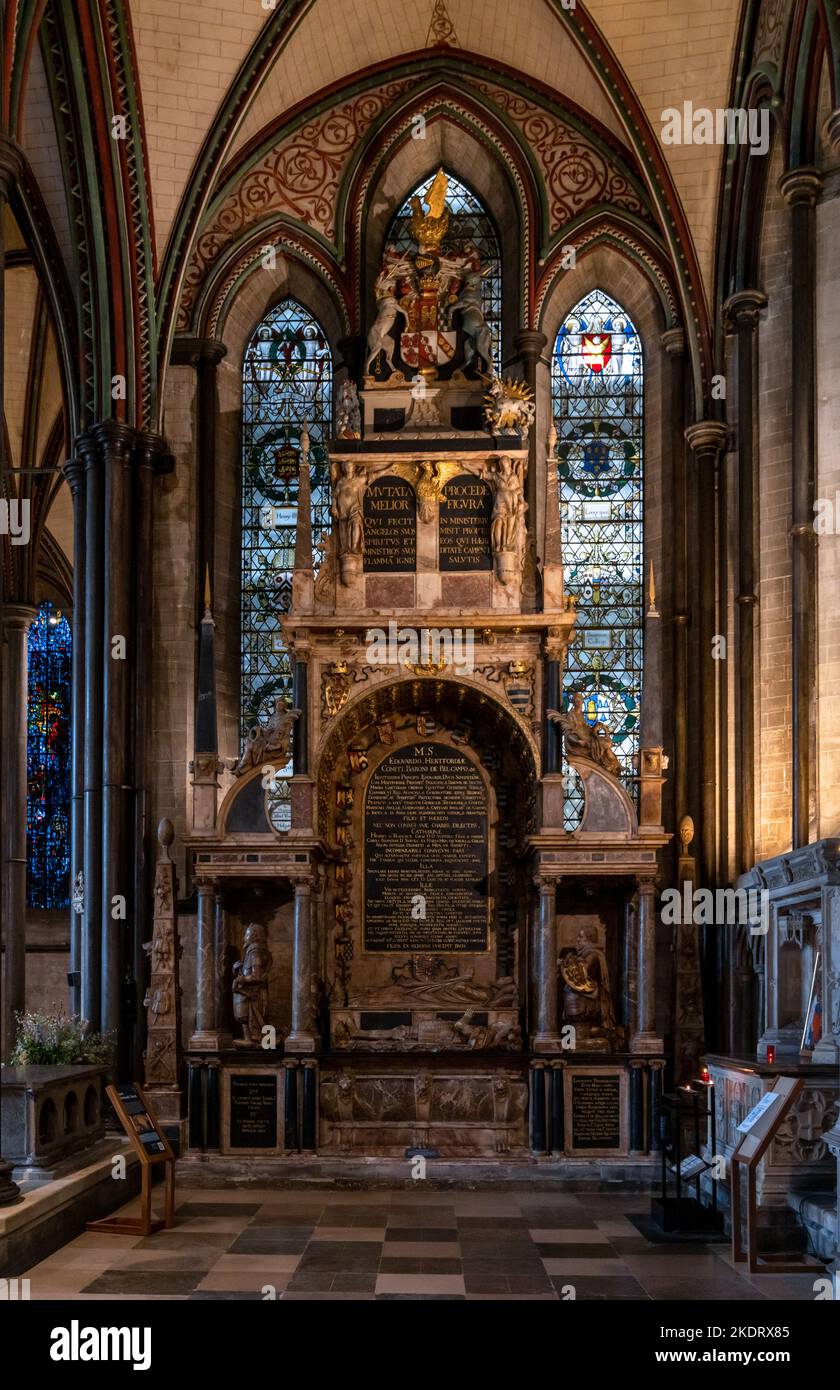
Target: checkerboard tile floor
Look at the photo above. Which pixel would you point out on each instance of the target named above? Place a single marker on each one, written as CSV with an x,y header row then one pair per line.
x,y
399,1245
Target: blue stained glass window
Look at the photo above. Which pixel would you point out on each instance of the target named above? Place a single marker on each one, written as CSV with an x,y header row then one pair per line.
x,y
598,405
287,385
48,761
468,222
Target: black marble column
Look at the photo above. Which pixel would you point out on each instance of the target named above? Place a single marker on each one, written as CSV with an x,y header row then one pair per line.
x,y
539,1139
557,1108
17,618
706,439
300,700
290,1105
213,1074
800,189
116,443
195,1103
552,747
743,311
675,556
309,1126
87,449
644,1038
75,476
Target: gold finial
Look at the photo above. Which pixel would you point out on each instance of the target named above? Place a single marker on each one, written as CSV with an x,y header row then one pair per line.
x,y
686,833
653,611
429,228
207,591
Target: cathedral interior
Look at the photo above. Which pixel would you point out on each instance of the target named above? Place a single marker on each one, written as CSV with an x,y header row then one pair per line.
x,y
420,694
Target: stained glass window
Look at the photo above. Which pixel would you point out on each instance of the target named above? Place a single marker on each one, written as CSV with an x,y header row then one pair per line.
x,y
597,393
286,392
468,222
48,761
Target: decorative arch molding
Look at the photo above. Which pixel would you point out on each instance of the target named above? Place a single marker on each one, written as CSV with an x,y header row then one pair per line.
x,y
364,209
236,269
420,693
642,254
357,127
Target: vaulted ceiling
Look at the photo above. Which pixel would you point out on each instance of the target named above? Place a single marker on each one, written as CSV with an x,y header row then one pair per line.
x,y
116,227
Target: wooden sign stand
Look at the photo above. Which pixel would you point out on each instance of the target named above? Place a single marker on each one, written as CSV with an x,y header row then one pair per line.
x,y
152,1147
751,1148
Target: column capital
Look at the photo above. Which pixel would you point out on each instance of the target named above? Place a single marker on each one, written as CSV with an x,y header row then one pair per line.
x,y
194,352
831,130
706,437
646,883
152,451
529,344
18,616
673,341
801,186
744,308
74,473
12,160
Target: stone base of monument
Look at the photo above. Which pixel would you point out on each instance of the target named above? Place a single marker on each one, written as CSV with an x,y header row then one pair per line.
x,y
53,1213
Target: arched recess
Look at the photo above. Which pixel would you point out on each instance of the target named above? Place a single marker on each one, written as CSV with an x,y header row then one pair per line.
x,y
455,140
458,714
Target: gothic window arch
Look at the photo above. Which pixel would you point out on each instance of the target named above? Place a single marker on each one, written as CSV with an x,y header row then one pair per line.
x,y
49,653
287,392
598,405
469,222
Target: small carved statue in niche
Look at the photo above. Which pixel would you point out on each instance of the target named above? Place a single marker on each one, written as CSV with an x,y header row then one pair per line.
x,y
250,984
586,995
349,424
507,527
349,483
274,738
592,741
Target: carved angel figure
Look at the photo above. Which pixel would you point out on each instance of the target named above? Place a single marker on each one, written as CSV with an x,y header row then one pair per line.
x,y
592,741
348,491
507,527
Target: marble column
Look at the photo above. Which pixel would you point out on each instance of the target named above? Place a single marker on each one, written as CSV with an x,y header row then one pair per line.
x,y
116,443
706,439
743,311
74,474
205,1038
87,449
302,1037
17,618
545,1037
645,1038
800,189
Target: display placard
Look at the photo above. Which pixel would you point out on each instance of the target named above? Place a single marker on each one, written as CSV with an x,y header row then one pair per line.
x,y
151,1147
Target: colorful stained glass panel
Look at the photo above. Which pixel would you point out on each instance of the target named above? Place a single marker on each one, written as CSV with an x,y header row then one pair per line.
x,y
48,761
598,405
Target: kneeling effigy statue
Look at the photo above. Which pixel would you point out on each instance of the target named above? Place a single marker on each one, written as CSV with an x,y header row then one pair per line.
x,y
586,1000
250,984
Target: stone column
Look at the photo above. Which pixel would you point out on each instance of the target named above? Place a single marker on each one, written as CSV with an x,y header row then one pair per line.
x,y
205,1037
743,311
302,1037
645,1038
17,618
800,189
706,439
204,354
546,1037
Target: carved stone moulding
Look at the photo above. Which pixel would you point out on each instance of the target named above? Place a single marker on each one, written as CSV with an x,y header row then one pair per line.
x,y
459,1113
